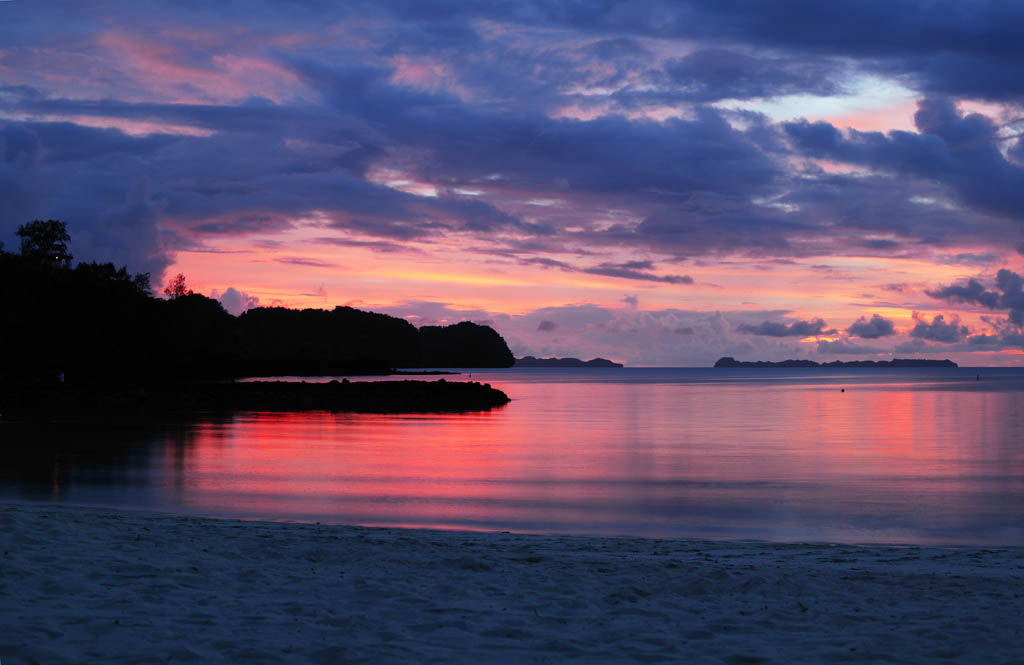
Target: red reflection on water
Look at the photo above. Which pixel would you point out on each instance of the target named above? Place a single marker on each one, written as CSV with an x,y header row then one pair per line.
x,y
778,461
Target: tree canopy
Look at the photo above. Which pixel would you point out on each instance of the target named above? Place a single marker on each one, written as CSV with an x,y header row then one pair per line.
x,y
177,288
46,242
97,322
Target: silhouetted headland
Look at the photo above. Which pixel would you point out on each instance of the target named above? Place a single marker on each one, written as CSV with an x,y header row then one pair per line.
x,y
96,334
95,320
530,361
895,362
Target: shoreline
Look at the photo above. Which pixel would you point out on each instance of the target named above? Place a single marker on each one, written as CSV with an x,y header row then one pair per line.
x,y
118,402
85,584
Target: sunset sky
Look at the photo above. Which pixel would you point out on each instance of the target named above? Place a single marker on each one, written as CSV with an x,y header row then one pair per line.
x,y
661,183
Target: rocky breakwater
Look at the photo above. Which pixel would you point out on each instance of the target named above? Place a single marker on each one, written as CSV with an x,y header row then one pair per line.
x,y
124,403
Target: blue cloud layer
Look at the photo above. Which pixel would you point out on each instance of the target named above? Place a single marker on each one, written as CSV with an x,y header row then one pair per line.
x,y
471,102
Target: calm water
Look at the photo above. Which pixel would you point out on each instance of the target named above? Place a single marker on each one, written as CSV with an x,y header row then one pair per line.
x,y
920,456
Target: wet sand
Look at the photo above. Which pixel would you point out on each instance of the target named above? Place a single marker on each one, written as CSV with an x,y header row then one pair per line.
x,y
81,585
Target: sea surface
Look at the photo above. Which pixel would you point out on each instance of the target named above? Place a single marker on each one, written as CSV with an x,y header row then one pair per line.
x,y
923,456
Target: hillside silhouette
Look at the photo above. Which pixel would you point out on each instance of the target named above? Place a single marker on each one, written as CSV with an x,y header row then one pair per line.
x,y
95,322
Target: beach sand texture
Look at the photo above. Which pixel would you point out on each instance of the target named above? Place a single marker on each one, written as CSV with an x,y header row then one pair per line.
x,y
80,585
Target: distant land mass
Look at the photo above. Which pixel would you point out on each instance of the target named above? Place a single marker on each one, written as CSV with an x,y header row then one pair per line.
x,y
895,362
530,361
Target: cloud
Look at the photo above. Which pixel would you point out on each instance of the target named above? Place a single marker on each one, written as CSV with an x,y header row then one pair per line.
x,y
961,151
374,245
971,292
874,328
939,330
1008,294
547,325
712,74
235,301
534,131
300,261
630,300
844,347
636,270
915,346
661,337
794,329
45,174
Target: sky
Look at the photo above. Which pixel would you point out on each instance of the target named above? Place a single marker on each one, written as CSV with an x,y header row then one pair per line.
x,y
659,183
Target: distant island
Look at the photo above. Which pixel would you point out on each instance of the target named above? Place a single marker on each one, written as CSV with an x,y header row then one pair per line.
x,y
895,362
530,361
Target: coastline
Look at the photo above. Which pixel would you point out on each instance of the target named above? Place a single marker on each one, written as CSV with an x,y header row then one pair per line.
x,y
87,585
120,402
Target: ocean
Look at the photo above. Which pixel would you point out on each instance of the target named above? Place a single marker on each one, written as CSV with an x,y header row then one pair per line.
x,y
916,456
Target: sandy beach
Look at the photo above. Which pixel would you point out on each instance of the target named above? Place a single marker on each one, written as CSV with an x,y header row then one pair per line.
x,y
82,585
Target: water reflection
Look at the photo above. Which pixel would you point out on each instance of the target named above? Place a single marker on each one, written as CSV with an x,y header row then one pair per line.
x,y
883,461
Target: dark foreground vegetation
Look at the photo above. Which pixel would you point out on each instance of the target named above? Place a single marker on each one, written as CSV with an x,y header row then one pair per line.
x,y
896,362
95,334
95,320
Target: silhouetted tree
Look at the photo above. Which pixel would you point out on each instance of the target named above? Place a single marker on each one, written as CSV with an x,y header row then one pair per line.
x,y
46,242
142,283
106,272
176,287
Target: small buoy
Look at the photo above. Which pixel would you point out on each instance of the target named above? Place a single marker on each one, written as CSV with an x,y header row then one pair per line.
x,y
842,390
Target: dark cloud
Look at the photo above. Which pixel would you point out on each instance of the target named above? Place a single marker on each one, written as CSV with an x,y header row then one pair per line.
x,y
972,291
967,259
1007,295
299,261
874,328
375,245
960,151
636,270
794,329
630,300
616,48
42,175
547,325
545,262
607,155
939,330
717,73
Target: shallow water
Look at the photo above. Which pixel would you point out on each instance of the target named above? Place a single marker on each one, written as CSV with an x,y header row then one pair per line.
x,y
915,456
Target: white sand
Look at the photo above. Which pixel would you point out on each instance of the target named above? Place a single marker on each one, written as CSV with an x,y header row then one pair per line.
x,y
95,586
